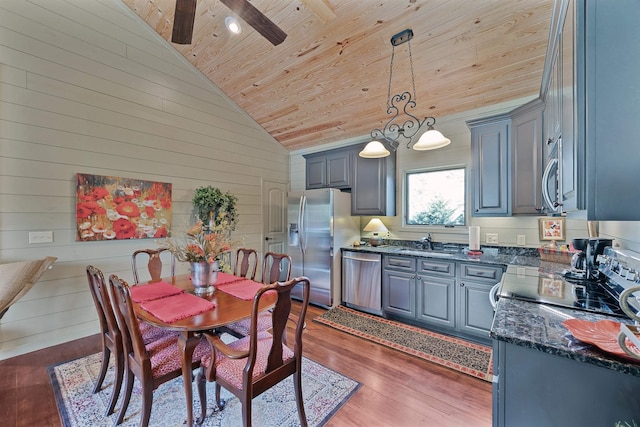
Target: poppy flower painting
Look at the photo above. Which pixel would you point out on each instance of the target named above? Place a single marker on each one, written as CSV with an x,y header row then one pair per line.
x,y
111,208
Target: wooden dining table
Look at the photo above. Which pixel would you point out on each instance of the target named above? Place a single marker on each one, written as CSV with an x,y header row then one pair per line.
x,y
228,309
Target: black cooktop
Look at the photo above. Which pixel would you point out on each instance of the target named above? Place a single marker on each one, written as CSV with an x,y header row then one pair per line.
x,y
531,284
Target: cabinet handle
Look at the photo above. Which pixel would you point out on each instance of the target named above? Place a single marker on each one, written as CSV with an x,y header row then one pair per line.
x,y
461,284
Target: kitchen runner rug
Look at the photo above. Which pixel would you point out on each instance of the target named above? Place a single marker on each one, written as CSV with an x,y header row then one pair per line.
x,y
324,392
455,353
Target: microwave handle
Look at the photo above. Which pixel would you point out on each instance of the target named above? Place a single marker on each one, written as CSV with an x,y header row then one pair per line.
x,y
545,180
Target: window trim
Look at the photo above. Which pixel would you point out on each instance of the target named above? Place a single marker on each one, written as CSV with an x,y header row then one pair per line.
x,y
455,229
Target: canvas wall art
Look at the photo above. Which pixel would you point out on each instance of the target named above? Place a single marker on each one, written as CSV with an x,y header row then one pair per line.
x,y
112,208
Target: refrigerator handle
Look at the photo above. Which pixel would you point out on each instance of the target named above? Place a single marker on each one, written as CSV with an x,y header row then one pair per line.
x,y
302,231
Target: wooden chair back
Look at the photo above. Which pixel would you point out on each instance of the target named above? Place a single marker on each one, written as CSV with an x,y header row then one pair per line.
x,y
276,268
246,263
154,262
110,335
132,341
281,361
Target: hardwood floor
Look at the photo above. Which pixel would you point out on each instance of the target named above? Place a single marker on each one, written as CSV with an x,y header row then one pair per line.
x,y
397,389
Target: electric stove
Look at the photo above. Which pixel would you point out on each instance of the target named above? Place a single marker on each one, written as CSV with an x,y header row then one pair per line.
x,y
618,270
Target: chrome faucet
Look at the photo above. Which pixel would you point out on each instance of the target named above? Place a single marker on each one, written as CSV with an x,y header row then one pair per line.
x,y
426,241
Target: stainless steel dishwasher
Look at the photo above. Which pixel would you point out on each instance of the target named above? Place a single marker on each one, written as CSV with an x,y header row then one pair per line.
x,y
361,281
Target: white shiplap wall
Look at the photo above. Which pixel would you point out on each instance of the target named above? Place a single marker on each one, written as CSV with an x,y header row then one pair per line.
x,y
86,87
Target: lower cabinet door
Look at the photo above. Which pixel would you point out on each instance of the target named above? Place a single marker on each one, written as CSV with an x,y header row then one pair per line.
x,y
475,313
436,300
398,296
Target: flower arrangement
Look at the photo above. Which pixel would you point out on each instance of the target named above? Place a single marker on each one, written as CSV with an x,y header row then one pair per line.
x,y
201,243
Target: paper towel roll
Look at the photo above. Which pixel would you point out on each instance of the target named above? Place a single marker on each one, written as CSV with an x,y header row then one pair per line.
x,y
474,238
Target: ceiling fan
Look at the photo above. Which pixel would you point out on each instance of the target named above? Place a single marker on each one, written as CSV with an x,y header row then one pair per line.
x,y
185,15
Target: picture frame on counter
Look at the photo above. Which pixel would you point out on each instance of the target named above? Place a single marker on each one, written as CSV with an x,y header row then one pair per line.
x,y
552,228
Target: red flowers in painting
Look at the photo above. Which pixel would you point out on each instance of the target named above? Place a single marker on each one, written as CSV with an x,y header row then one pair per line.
x,y
117,208
128,209
124,229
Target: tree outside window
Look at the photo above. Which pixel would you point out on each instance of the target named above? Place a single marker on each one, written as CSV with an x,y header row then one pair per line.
x,y
435,197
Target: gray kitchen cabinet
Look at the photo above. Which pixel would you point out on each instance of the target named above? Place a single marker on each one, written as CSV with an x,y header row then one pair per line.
x,y
329,169
373,191
475,312
527,158
435,287
491,166
599,104
448,296
572,393
399,286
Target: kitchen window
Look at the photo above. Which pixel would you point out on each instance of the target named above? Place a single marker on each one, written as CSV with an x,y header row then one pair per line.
x,y
435,197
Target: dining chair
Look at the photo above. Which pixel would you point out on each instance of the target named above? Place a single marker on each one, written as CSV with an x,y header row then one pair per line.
x,y
153,363
275,267
110,335
251,365
246,263
154,262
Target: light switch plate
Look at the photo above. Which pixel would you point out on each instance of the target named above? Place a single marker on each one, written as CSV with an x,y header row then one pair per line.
x,y
522,239
492,238
40,236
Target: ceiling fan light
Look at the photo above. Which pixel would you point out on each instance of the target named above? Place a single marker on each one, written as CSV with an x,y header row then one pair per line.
x,y
232,25
430,140
374,150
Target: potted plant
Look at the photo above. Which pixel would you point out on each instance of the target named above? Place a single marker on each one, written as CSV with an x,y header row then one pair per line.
x,y
213,206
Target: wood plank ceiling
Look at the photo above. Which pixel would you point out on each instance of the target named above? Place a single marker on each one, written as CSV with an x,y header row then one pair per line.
x,y
328,80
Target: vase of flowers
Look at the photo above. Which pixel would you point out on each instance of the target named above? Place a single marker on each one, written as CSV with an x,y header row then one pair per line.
x,y
202,247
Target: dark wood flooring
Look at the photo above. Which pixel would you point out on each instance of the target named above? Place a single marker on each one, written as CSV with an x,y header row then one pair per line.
x,y
397,389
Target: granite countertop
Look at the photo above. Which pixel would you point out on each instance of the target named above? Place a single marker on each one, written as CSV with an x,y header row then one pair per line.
x,y
490,255
527,324
539,326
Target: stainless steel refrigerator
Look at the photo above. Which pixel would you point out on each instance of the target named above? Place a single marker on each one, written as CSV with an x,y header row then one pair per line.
x,y
320,223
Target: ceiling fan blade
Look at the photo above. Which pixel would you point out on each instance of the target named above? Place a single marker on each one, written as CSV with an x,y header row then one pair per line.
x,y
257,20
183,19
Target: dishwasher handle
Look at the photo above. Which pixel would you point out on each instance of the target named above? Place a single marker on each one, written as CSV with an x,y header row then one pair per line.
x,y
356,258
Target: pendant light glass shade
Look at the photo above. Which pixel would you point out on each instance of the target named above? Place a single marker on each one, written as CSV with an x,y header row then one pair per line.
x,y
374,150
430,140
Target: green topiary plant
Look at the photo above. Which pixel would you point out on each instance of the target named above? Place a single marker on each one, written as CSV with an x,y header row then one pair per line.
x,y
212,206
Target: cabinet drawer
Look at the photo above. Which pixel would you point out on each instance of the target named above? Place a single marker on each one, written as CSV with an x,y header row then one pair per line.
x,y
490,273
444,268
400,263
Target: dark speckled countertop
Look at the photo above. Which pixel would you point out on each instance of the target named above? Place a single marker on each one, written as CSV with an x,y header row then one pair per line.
x,y
527,324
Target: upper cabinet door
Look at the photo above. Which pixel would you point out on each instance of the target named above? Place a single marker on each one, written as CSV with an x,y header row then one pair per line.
x,y
527,159
373,191
329,169
491,170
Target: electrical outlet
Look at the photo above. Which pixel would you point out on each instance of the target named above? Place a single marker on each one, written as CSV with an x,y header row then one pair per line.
x,y
522,240
40,236
492,238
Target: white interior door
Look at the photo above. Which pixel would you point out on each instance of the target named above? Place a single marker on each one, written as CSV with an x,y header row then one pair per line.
x,y
274,205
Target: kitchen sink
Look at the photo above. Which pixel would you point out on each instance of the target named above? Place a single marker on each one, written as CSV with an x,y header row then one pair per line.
x,y
425,252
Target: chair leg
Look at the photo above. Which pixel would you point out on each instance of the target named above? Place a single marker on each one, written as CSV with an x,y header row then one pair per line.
x,y
127,396
147,401
297,385
219,402
201,381
106,355
246,407
117,383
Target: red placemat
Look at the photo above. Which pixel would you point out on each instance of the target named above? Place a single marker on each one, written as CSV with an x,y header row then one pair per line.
x,y
245,289
177,307
156,290
224,278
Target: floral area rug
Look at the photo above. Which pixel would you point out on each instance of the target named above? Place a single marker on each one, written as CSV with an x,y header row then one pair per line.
x,y
464,356
324,392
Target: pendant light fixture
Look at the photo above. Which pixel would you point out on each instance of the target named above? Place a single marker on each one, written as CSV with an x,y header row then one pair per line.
x,y
403,126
